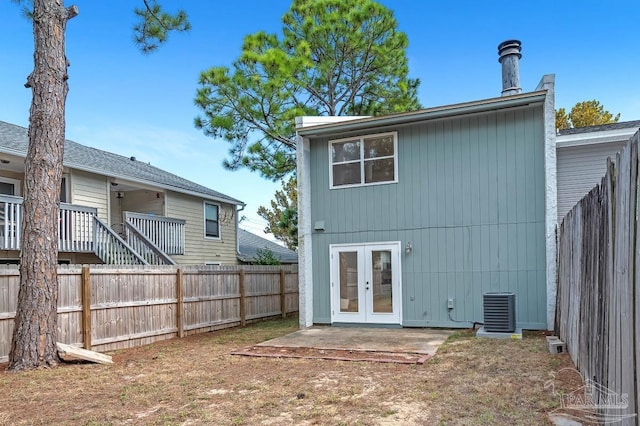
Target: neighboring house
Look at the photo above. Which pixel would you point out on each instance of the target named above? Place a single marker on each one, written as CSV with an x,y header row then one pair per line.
x,y
408,219
119,210
582,158
249,244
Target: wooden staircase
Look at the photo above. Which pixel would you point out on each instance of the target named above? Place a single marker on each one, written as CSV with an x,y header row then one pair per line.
x,y
111,248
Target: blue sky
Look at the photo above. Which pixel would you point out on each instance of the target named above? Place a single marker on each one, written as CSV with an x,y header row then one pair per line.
x,y
142,105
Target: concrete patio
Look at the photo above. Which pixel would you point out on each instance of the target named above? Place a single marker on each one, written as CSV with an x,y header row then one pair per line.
x,y
423,341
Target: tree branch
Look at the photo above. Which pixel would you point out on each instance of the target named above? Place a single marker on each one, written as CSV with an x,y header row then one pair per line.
x,y
72,11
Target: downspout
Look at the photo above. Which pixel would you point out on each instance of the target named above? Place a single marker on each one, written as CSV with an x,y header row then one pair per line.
x,y
242,207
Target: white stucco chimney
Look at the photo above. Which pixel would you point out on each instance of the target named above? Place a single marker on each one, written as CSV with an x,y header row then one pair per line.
x,y
510,55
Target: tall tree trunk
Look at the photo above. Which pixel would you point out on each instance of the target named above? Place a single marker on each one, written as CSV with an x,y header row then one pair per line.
x,y
34,334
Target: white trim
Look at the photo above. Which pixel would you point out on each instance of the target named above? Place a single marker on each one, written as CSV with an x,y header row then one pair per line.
x,y
319,120
204,221
362,160
445,111
366,313
551,195
67,188
305,250
16,185
596,137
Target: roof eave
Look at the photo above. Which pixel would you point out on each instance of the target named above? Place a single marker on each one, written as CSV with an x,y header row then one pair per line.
x,y
596,137
75,166
427,114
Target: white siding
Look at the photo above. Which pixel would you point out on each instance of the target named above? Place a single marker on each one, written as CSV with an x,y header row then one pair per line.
x,y
90,190
199,249
580,168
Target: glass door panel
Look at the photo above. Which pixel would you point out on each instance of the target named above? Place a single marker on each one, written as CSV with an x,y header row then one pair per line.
x,y
382,281
349,299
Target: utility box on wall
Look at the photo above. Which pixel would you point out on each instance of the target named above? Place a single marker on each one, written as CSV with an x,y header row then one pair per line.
x,y
499,312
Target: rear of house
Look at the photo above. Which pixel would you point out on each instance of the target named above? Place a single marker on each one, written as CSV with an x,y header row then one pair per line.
x,y
409,219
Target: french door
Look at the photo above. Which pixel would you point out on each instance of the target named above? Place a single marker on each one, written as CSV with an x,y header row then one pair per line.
x,y
365,283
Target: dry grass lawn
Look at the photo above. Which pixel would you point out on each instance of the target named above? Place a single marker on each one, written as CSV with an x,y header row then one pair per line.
x,y
195,381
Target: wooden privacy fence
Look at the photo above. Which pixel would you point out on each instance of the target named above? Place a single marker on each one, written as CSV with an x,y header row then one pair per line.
x,y
598,299
106,307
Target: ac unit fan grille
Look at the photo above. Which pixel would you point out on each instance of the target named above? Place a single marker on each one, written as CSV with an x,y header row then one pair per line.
x,y
499,312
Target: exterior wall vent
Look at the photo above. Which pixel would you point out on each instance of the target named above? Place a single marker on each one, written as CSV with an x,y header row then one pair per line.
x,y
499,312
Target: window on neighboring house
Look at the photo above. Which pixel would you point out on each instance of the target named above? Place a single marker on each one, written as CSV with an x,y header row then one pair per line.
x,y
211,220
9,186
365,160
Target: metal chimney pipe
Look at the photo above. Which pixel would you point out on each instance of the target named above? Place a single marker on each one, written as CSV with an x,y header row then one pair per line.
x,y
510,55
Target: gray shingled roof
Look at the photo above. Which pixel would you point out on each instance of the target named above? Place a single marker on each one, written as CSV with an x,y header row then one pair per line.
x,y
14,140
250,243
601,128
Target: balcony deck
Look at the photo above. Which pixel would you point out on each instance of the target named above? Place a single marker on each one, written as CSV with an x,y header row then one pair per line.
x,y
76,228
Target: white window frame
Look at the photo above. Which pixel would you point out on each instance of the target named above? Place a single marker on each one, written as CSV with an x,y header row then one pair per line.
x,y
16,185
204,220
362,160
67,188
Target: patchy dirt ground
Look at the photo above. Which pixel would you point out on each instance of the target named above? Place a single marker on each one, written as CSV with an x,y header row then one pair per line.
x,y
196,380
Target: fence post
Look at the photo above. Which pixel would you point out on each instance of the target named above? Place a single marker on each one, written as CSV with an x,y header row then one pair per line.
x,y
283,305
179,303
243,319
86,307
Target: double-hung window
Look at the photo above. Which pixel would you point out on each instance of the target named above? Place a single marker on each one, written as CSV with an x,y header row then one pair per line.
x,y
211,220
364,160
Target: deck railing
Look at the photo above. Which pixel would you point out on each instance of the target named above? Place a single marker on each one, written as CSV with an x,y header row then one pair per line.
x,y
11,222
166,233
75,226
145,247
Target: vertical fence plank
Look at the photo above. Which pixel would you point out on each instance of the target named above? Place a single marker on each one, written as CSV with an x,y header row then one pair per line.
x,y
243,315
179,303
86,307
627,294
636,295
283,294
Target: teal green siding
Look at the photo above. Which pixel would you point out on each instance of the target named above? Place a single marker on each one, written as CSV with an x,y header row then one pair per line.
x,y
469,198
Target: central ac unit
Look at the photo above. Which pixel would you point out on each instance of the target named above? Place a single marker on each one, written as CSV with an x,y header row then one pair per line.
x,y
499,312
